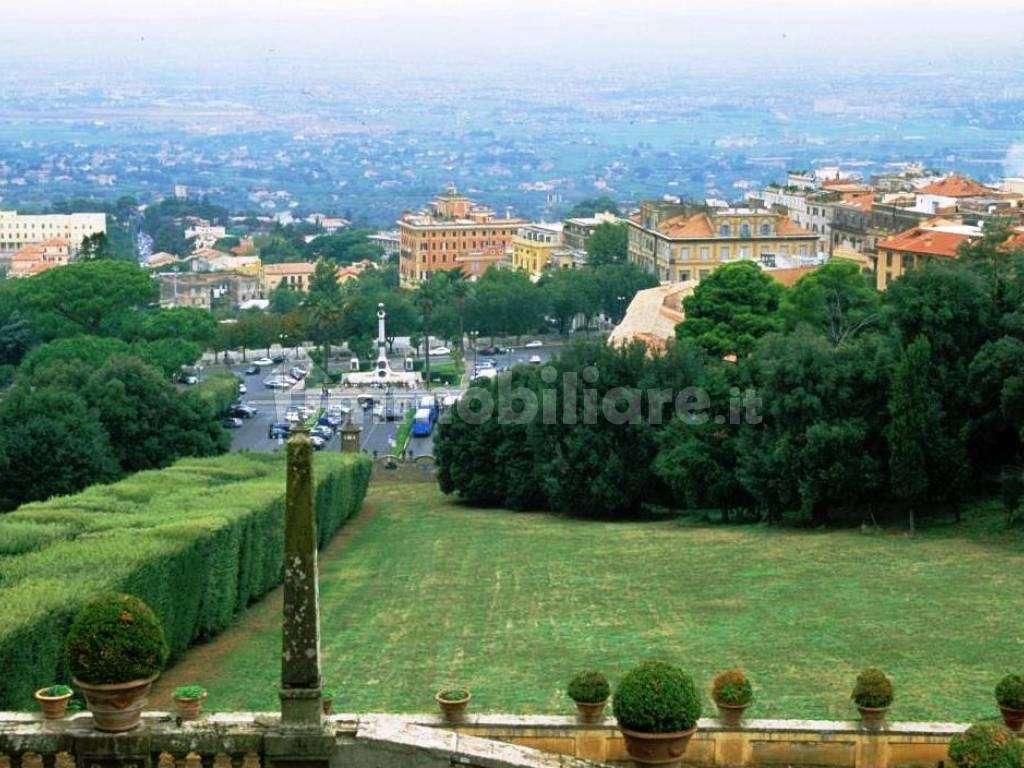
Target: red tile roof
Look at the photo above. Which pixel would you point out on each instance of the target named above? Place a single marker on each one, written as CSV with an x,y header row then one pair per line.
x,y
697,225
956,186
925,241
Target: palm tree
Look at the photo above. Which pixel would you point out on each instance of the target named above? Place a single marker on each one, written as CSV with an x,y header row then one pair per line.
x,y
430,293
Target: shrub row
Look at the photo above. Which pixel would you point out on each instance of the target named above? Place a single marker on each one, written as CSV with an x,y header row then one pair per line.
x,y
198,541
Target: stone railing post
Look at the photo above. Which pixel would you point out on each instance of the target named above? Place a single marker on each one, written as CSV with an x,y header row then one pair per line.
x,y
300,647
302,741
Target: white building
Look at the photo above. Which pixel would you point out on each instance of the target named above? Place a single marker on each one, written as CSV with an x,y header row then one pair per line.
x,y
18,230
205,235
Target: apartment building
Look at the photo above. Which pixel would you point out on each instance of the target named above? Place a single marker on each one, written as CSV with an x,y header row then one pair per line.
x,y
677,247
18,230
534,246
454,232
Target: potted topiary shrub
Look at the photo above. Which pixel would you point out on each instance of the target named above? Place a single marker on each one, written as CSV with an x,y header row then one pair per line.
x,y
872,694
1010,697
986,745
327,700
732,694
657,707
116,649
590,691
453,701
189,701
53,700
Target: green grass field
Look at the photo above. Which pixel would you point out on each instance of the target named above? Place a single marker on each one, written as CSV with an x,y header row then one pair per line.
x,y
511,604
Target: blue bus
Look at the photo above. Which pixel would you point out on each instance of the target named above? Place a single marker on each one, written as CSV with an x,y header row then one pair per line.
x,y
422,422
429,403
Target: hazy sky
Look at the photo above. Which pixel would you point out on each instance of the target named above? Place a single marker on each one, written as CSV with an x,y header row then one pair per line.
x,y
597,34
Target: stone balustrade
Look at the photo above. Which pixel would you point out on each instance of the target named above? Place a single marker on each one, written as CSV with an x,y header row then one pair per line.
x,y
257,740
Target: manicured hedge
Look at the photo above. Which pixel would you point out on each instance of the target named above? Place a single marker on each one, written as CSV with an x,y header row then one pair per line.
x,y
198,541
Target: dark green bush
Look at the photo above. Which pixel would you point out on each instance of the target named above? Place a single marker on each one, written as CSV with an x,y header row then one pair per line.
x,y
453,694
1010,692
217,391
58,690
986,745
655,697
198,541
116,638
732,688
873,689
589,687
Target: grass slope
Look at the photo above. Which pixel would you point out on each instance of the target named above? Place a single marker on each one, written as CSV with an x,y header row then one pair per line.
x,y
512,604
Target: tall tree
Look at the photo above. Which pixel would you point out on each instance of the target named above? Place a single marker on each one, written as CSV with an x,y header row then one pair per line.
x,y
731,308
608,244
324,306
836,299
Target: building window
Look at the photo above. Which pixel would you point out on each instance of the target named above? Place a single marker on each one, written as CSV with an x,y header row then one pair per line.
x,y
766,230
704,273
744,252
745,230
888,259
684,276
725,230
705,253
684,253
723,253
803,250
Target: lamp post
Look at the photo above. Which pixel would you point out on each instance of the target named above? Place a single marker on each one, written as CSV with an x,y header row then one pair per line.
x,y
472,339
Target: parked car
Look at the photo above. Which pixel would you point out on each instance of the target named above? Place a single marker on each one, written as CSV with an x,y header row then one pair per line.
x,y
322,430
231,422
278,358
243,411
331,421
191,379
276,382
438,351
252,370
534,343
263,361
534,359
279,429
242,389
489,351
365,401
297,372
318,442
292,414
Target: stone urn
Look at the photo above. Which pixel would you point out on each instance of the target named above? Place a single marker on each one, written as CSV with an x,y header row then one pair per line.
x,y
731,715
591,712
116,707
54,707
661,749
453,709
872,718
189,708
1012,718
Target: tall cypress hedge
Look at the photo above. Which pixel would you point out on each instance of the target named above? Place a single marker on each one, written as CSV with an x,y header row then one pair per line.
x,y
198,541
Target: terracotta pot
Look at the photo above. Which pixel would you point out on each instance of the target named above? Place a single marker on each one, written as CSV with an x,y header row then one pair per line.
x,y
731,715
54,707
327,704
116,707
872,718
189,709
1013,718
662,749
591,712
453,711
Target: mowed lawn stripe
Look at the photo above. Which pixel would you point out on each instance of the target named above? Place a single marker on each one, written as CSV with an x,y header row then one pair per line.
x,y
512,604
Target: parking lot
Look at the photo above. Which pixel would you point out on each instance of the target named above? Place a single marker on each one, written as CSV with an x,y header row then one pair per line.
x,y
378,434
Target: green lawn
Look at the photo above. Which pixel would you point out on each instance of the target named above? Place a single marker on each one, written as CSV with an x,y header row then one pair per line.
x,y
511,604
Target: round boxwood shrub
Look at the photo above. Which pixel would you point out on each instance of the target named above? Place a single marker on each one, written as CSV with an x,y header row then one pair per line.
x,y
873,690
656,697
732,688
986,745
115,638
1010,692
589,687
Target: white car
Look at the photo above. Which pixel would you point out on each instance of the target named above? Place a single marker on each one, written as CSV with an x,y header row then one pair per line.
x,y
242,389
534,343
534,359
437,351
263,361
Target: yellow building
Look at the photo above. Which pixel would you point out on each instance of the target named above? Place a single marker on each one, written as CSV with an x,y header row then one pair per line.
x,y
296,275
534,246
18,230
454,233
935,239
677,246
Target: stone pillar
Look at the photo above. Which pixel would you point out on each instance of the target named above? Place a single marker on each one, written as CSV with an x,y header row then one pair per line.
x,y
350,433
300,648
